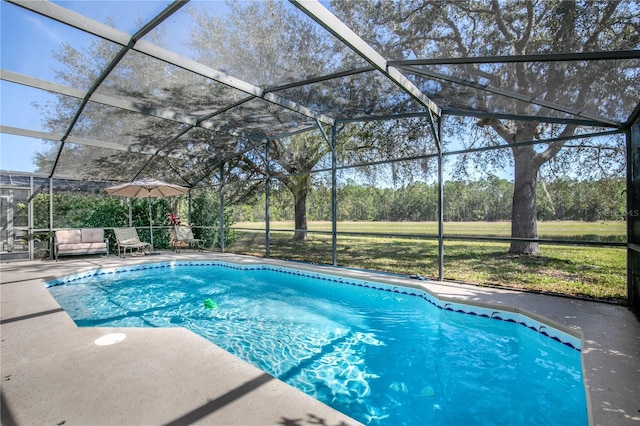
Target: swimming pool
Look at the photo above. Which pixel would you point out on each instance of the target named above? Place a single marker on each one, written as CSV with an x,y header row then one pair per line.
x,y
382,354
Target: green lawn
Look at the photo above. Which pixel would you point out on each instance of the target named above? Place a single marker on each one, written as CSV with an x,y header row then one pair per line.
x,y
594,272
598,231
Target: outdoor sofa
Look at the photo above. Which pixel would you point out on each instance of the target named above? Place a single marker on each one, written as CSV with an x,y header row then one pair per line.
x,y
80,241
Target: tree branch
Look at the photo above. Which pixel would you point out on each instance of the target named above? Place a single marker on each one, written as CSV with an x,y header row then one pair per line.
x,y
521,45
457,38
555,147
592,41
495,7
502,130
252,164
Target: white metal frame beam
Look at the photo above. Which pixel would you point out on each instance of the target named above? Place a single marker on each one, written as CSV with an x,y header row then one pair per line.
x,y
55,137
165,114
335,26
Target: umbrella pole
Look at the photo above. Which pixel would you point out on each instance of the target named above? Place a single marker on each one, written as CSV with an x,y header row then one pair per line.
x,y
151,226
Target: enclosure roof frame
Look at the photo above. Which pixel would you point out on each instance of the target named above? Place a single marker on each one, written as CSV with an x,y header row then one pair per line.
x,y
394,71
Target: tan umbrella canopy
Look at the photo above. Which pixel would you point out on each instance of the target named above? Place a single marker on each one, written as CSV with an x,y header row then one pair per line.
x,y
147,188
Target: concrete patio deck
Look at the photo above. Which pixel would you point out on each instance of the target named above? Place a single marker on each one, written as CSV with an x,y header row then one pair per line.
x,y
53,373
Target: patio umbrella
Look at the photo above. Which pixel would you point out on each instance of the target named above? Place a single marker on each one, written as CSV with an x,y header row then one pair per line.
x,y
147,188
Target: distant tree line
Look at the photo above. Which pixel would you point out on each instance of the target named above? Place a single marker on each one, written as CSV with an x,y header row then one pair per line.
x,y
487,199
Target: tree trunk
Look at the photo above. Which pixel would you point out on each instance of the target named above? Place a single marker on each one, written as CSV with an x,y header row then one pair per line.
x,y
300,214
524,222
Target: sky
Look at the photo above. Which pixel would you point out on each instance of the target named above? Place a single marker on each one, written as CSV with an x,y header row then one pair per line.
x,y
16,153
27,43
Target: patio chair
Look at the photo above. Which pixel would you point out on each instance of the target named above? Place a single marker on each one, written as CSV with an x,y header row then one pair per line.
x,y
127,238
184,235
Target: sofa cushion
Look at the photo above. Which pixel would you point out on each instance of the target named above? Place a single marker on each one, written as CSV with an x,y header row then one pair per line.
x,y
92,235
82,247
69,236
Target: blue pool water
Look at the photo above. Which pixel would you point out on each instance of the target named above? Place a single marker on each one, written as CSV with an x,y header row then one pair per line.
x,y
381,354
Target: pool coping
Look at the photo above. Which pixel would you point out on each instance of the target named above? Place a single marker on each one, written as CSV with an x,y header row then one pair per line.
x,y
610,347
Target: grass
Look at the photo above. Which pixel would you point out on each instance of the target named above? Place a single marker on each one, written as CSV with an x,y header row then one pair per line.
x,y
595,231
592,272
